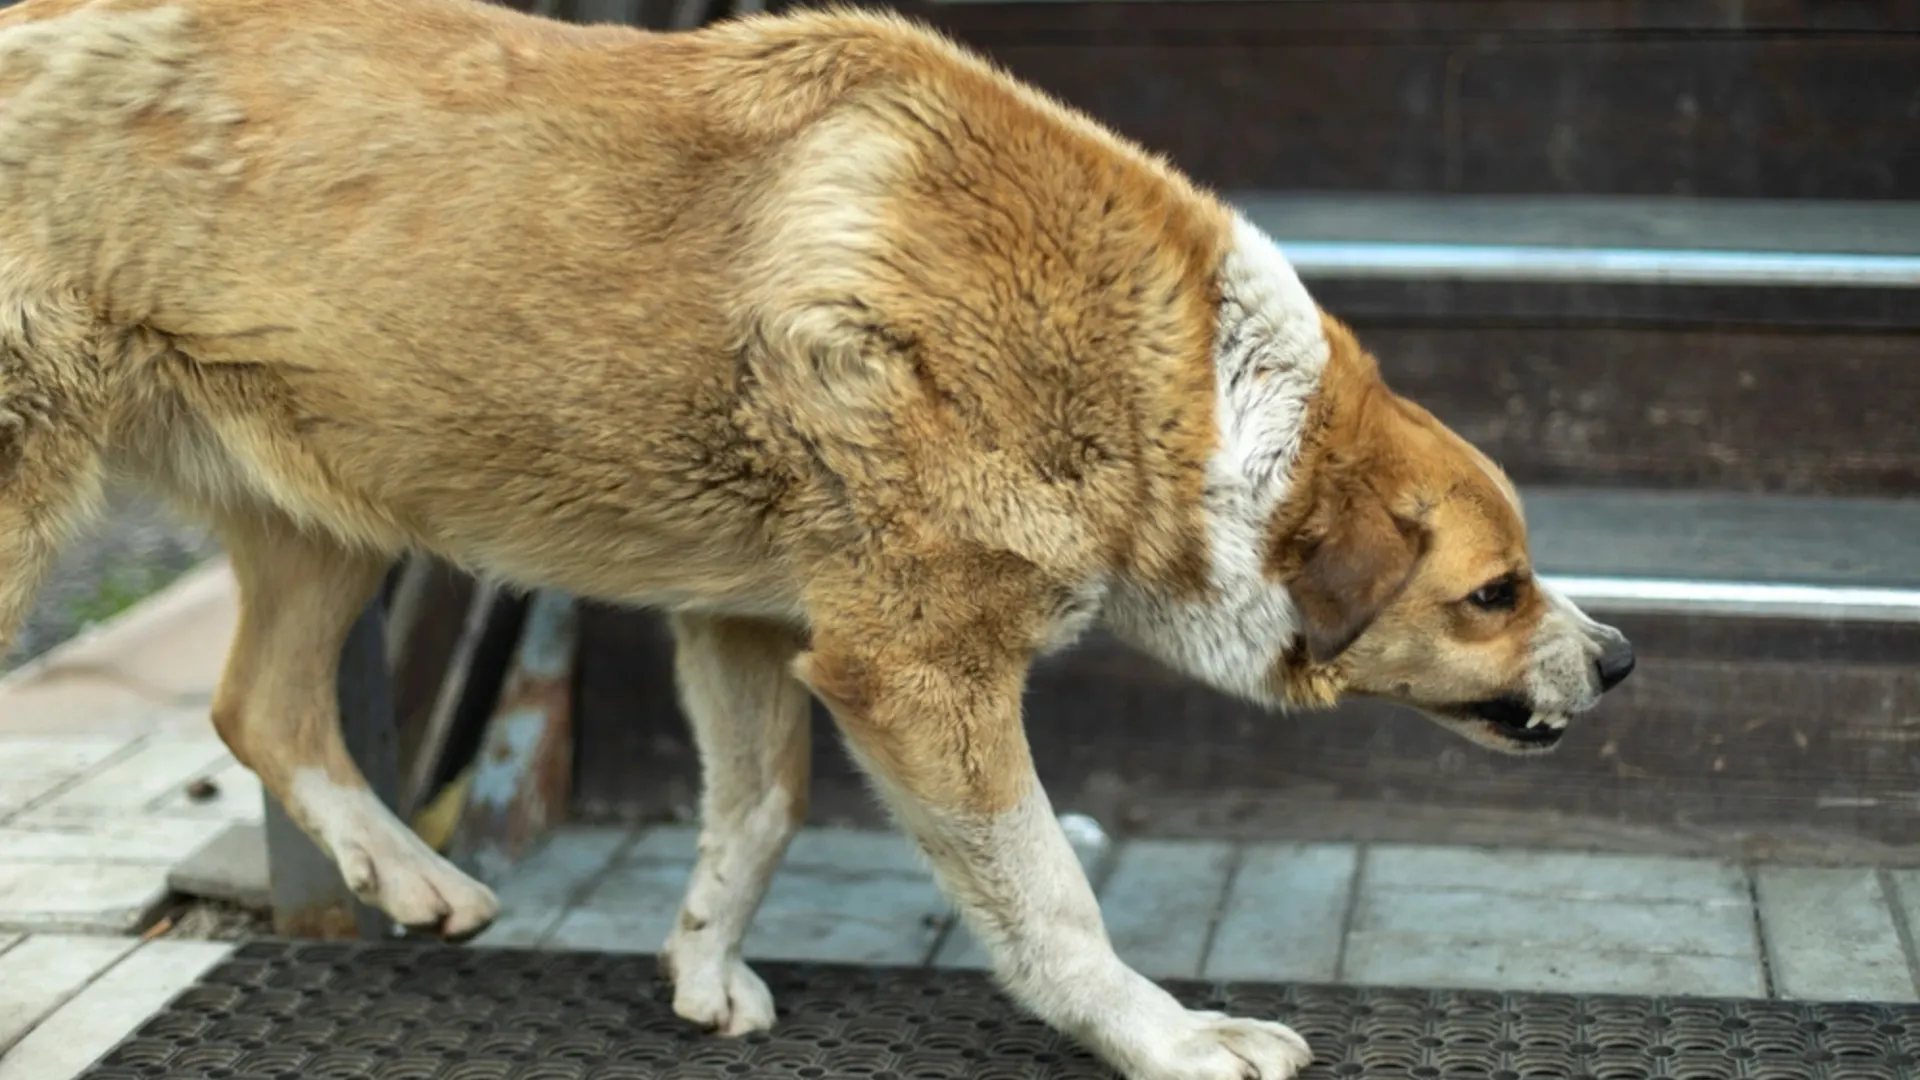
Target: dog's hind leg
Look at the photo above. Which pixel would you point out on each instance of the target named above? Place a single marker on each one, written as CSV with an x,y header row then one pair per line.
x,y
278,710
749,717
53,418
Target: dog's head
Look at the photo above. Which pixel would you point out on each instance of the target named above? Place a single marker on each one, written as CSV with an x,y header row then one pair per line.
x,y
1358,545
1404,552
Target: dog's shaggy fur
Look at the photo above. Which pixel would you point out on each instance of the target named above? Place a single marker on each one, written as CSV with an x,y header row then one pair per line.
x,y
881,372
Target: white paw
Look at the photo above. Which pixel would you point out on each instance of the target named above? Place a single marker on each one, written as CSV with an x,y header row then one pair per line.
x,y
412,883
721,995
1221,1047
389,867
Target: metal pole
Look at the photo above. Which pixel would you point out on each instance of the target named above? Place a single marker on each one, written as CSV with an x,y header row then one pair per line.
x,y
309,898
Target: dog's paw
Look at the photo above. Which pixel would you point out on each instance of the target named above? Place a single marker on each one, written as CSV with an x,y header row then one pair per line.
x,y
1220,1047
722,995
418,888
389,867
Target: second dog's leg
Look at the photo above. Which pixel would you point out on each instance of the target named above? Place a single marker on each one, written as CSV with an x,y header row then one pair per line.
x,y
749,719
278,710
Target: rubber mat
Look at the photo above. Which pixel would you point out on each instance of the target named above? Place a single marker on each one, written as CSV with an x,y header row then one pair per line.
x,y
300,1011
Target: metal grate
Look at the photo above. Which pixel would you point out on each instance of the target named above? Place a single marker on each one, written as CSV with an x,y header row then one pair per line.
x,y
284,1011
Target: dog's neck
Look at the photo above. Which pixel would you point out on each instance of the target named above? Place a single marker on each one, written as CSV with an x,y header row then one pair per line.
x,y
1269,354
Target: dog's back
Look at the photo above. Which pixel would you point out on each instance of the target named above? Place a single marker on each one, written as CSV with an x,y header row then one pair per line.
x,y
434,288
488,286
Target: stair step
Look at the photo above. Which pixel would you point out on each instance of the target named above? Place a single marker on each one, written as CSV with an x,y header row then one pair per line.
x,y
1712,555
1694,97
1773,711
1714,537
1613,261
1398,18
1662,343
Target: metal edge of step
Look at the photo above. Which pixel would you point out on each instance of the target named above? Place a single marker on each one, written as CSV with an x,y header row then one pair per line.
x,y
1600,594
1591,239
1613,266
1729,555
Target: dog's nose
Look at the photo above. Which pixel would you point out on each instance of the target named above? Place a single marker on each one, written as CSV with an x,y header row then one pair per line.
x,y
1616,663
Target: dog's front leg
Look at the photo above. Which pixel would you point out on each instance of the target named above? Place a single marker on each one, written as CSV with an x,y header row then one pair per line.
x,y
942,735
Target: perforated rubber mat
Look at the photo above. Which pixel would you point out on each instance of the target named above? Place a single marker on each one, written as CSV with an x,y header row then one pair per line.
x,y
280,1011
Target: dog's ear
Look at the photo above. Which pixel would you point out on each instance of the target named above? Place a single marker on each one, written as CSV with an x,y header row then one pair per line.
x,y
1350,567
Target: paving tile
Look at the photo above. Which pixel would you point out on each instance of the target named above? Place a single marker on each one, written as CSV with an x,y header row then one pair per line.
x,y
632,886
1553,873
667,843
40,837
857,850
1830,935
631,908
1906,899
109,1009
239,797
1284,913
554,874
109,898
1495,919
231,866
847,916
1451,916
72,703
41,973
636,931
1160,901
27,756
848,895
33,767
1456,963
189,718
850,849
161,766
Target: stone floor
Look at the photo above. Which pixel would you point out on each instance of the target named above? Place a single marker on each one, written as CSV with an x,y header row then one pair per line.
x,y
1373,914
101,743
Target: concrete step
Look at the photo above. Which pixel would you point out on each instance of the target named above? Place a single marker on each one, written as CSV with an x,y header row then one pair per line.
x,y
1773,713
1809,264
1663,343
1773,710
1695,97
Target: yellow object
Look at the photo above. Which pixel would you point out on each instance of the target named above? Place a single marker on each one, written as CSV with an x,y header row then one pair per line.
x,y
436,821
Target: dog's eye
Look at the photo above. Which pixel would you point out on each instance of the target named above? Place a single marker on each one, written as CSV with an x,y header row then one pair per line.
x,y
1500,595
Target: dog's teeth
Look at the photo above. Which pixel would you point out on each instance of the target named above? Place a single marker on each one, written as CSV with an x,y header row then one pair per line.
x,y
1534,721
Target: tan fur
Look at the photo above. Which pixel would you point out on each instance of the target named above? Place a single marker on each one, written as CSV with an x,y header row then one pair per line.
x,y
1395,518
873,365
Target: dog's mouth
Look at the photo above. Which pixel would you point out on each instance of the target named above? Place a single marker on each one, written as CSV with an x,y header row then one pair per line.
x,y
1513,721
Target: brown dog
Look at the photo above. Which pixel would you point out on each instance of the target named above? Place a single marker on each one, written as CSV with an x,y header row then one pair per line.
x,y
880,371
